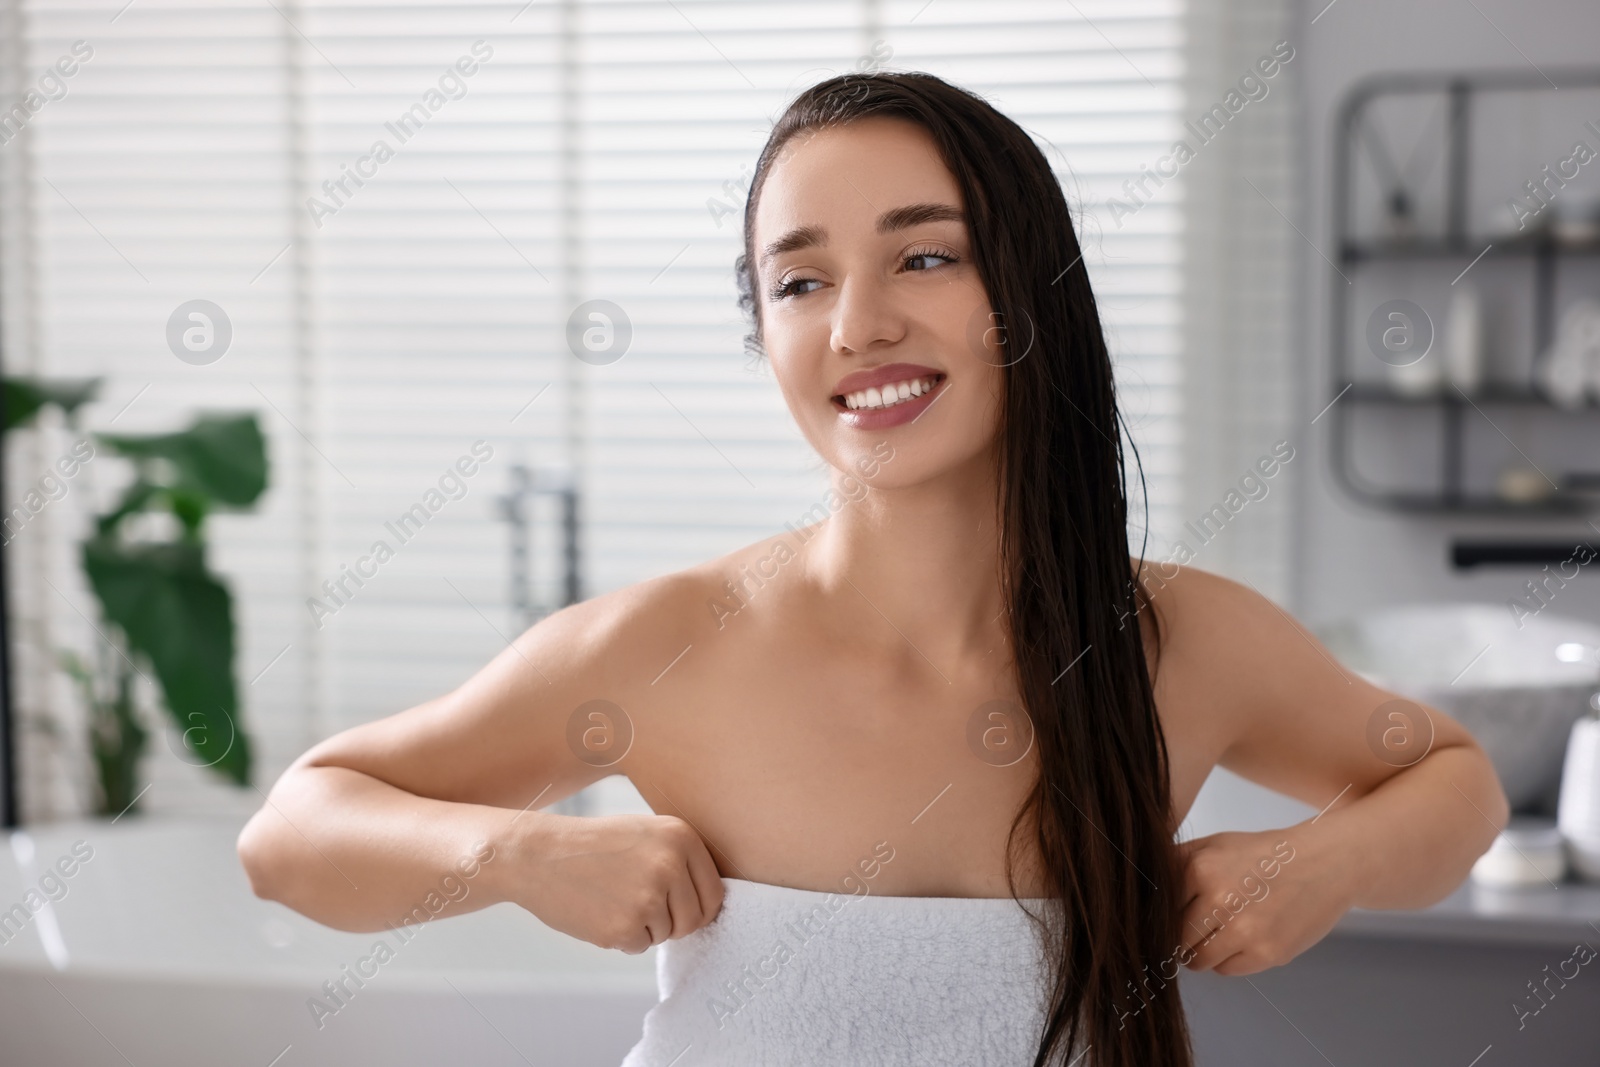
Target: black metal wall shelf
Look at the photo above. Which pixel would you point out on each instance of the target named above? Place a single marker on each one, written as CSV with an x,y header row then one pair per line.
x,y
1500,394
1540,253
1555,506
1538,244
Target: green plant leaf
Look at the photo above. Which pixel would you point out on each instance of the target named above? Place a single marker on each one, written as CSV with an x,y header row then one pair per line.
x,y
190,507
223,457
133,501
25,396
171,609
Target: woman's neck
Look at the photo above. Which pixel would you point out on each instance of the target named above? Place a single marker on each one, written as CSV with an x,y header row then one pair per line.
x,y
924,558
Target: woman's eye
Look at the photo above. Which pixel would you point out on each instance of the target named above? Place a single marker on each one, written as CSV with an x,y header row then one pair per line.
x,y
792,287
919,256
796,286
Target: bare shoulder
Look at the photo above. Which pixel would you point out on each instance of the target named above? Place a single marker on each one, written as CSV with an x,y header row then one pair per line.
x,y
504,734
1212,628
509,733
1191,602
1208,665
1277,706
642,628
615,634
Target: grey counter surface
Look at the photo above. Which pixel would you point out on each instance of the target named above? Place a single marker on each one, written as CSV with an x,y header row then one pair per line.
x,y
1545,915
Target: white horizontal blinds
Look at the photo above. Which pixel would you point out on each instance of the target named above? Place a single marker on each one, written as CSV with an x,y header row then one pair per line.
x,y
437,307
692,450
159,177
1098,85
429,307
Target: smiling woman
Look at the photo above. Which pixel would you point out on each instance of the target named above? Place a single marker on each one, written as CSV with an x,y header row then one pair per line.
x,y
908,274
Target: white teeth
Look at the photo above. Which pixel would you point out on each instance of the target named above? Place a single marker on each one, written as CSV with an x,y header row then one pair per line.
x,y
889,395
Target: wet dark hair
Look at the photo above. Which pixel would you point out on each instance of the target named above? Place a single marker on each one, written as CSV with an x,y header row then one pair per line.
x,y
1101,808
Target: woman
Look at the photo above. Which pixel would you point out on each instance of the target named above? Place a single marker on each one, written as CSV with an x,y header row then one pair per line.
x,y
836,714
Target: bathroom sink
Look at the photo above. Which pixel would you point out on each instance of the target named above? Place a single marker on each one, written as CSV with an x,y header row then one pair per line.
x,y
1517,688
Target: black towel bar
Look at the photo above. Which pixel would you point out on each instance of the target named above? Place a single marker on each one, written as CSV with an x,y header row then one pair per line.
x,y
1467,554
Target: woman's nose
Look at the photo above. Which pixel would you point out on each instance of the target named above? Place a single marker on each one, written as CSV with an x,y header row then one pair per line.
x,y
865,316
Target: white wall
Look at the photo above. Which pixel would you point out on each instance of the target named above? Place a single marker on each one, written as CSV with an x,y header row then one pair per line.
x,y
1350,558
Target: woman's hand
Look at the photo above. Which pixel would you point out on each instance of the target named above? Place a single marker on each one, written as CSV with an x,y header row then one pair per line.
x,y
1254,901
620,881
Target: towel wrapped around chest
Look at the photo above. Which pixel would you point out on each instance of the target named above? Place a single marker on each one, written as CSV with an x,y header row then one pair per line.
x,y
788,976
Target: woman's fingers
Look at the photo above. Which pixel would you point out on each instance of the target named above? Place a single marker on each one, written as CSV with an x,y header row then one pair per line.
x,y
656,929
683,905
1201,930
707,885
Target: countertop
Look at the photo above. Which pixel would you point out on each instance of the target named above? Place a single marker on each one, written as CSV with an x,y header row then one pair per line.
x,y
1560,915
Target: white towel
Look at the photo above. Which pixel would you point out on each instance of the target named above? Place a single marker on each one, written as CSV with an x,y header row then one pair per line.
x,y
792,976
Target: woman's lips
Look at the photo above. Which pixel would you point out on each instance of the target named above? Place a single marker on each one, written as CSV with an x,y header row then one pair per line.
x,y
895,415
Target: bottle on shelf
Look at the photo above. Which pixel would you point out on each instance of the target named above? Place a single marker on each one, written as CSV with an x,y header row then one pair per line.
x,y
1463,340
1419,378
1570,369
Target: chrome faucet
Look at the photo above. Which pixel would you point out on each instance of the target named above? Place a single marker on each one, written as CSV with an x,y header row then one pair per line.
x,y
527,484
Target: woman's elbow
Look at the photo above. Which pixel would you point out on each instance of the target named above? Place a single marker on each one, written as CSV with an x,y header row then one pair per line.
x,y
1499,806
256,855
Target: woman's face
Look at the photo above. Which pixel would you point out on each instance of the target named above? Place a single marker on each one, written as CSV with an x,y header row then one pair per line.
x,y
869,295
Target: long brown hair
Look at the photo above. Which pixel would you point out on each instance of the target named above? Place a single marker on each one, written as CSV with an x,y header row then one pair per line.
x,y
1101,807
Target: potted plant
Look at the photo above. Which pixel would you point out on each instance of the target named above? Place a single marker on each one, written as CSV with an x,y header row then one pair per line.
x,y
170,618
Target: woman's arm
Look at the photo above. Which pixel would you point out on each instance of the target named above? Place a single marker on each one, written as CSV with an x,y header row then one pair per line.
x,y
434,806
1402,816
1412,840
353,852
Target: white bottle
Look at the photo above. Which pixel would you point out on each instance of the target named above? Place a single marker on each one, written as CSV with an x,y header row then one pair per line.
x,y
1564,369
1578,809
1588,332
1463,339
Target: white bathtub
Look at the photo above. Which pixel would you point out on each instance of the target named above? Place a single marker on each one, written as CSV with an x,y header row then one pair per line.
x,y
159,955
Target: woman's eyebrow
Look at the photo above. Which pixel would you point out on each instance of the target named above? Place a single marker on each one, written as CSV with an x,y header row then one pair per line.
x,y
896,218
